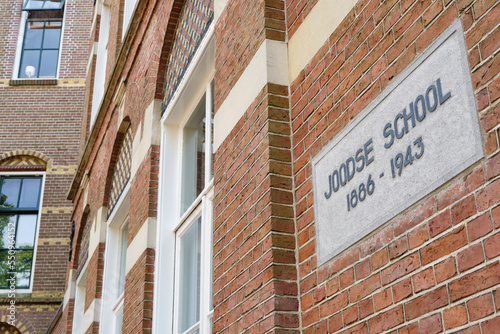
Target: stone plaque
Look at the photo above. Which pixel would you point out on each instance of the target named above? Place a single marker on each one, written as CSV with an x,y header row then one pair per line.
x,y
420,132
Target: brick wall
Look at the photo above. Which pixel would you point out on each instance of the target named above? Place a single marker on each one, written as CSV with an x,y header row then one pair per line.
x,y
429,268
240,30
46,120
255,286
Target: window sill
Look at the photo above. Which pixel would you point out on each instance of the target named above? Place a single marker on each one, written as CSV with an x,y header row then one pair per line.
x,y
33,82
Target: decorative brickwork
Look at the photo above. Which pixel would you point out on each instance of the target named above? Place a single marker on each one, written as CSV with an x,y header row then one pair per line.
x,y
22,162
121,173
193,24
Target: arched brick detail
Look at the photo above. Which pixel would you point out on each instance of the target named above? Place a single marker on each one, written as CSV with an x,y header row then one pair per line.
x,y
168,41
23,160
113,185
193,23
6,328
22,324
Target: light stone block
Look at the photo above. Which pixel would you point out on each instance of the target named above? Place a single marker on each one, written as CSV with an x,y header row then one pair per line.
x,y
450,135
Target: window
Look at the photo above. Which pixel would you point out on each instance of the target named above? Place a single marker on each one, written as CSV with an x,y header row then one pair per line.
x,y
79,311
39,53
19,213
193,235
101,61
111,317
120,291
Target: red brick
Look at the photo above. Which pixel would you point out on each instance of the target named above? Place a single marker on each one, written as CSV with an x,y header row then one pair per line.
x,y
491,326
480,307
479,226
364,288
382,299
470,257
401,268
381,258
432,324
474,282
493,167
401,290
346,278
423,280
350,314
454,240
427,303
463,209
334,304
445,269
492,246
489,195
440,223
418,236
386,320
455,316
365,308
362,269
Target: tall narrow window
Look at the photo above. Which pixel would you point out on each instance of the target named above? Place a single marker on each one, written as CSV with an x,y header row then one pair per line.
x,y
19,212
39,55
194,233
122,261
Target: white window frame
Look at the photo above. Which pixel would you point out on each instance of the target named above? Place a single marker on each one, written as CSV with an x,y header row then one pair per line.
x,y
129,7
101,51
172,223
20,41
79,303
35,246
112,301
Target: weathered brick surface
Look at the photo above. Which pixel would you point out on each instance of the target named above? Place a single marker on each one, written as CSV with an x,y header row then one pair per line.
x,y
432,264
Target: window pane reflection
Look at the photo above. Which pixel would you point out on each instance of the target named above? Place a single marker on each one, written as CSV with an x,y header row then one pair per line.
x,y
26,229
193,177
189,295
30,193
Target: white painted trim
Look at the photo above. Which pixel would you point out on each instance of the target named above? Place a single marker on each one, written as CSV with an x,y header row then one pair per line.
x,y
113,226
70,291
268,65
315,31
97,230
144,239
92,314
150,135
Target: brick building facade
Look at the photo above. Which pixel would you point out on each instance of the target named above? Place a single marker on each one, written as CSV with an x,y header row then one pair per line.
x,y
42,88
200,202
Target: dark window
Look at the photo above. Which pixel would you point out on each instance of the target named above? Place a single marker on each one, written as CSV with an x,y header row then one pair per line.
x,y
40,49
19,209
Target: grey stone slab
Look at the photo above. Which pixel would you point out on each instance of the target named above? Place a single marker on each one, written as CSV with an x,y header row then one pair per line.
x,y
377,191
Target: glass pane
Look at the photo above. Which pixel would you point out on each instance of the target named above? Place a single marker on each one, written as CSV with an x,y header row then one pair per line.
x,y
189,277
29,64
48,64
52,35
4,269
122,259
10,192
30,193
26,229
33,36
24,260
34,4
52,4
212,133
119,321
193,178
8,230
